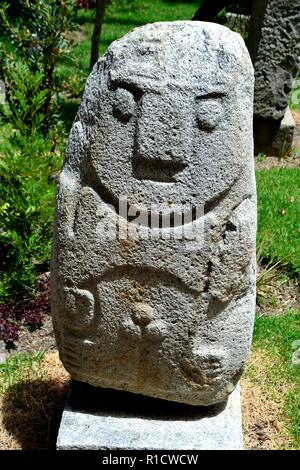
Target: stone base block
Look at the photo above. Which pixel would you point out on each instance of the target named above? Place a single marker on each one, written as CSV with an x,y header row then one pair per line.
x,y
105,419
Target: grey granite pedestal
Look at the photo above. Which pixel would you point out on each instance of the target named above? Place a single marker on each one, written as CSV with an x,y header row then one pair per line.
x,y
105,419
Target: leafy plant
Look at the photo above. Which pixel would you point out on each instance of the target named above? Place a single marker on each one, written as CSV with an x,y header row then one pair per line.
x,y
26,98
30,313
26,210
261,157
86,4
33,41
33,313
8,326
267,281
287,151
36,41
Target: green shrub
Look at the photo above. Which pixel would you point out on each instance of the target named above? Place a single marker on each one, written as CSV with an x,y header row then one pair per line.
x,y
35,41
27,192
26,98
31,45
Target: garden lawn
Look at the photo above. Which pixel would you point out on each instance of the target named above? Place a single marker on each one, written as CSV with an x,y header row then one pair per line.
x,y
278,191
33,389
274,339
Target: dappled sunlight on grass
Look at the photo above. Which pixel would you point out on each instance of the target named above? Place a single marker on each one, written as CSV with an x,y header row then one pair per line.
x,y
33,392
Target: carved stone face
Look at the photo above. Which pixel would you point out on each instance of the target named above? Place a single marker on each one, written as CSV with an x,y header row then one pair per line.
x,y
166,119
167,124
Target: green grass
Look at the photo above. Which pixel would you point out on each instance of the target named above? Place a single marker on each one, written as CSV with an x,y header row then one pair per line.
x,y
125,15
33,389
274,335
19,368
278,237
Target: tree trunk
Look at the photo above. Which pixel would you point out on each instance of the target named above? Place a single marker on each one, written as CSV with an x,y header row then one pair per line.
x,y
209,10
100,11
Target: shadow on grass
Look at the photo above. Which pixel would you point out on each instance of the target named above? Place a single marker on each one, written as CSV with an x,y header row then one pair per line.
x,y
85,16
31,412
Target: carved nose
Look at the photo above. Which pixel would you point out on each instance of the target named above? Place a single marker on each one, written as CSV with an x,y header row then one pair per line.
x,y
161,131
161,143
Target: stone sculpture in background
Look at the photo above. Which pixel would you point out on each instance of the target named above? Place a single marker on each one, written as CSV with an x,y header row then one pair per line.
x,y
274,45
163,309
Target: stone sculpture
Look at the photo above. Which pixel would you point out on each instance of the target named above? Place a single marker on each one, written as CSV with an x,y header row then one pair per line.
x,y
166,120
274,46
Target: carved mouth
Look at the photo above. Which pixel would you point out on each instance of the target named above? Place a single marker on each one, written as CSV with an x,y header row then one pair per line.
x,y
163,171
164,219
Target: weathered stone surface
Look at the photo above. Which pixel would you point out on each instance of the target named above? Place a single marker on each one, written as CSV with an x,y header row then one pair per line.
x,y
99,419
275,50
166,119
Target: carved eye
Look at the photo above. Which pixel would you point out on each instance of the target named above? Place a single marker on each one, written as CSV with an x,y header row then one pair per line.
x,y
124,104
209,111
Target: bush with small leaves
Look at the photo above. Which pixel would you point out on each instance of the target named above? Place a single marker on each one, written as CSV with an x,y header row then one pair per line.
x,y
86,4
32,45
34,312
8,326
27,193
